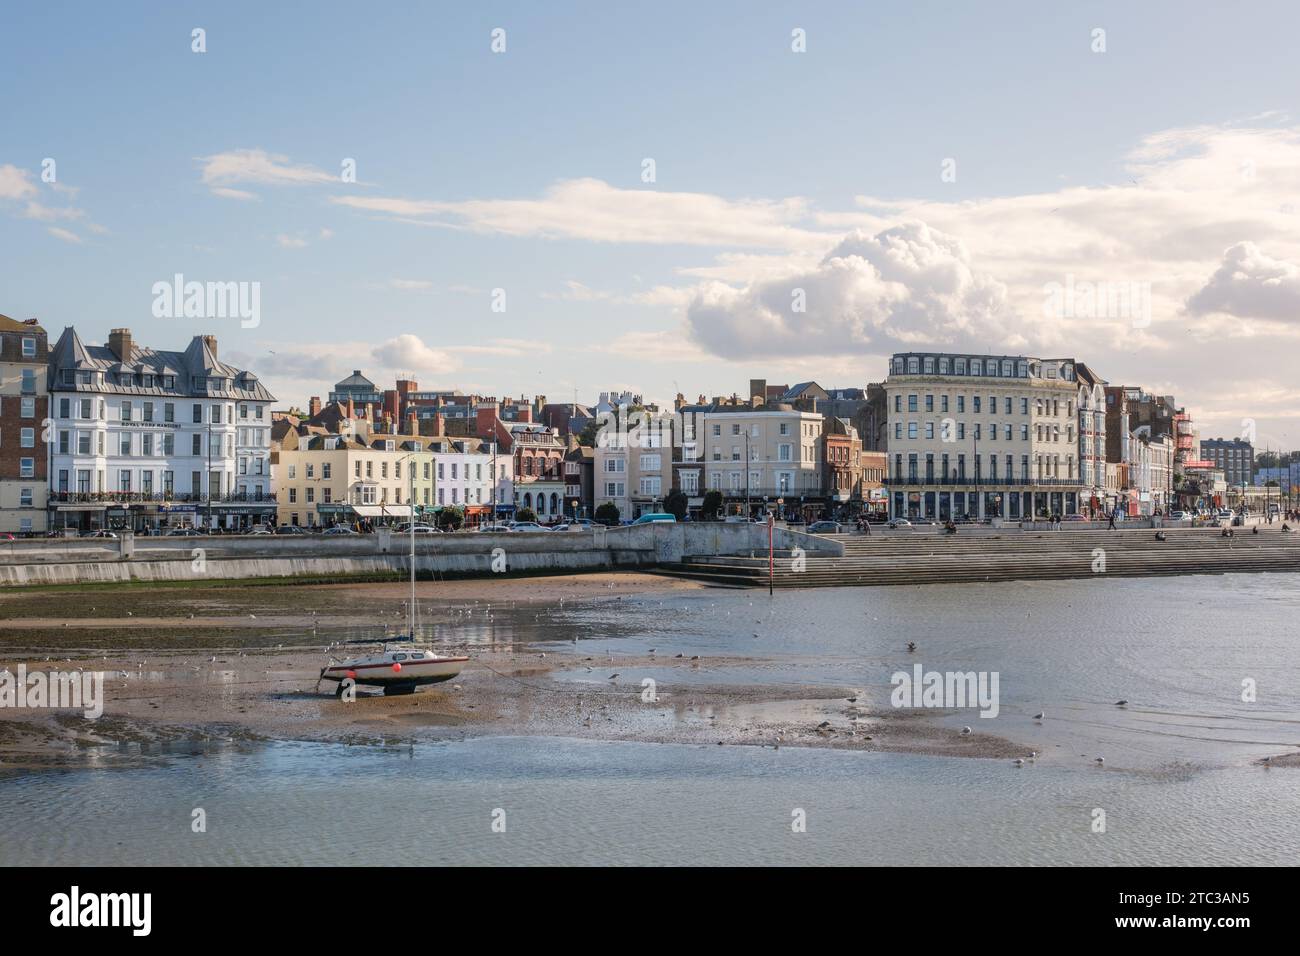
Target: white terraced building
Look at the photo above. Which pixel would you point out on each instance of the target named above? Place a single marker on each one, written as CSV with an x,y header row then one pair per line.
x,y
984,435
145,440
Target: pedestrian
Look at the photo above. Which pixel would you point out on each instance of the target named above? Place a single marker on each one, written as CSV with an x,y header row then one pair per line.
x,y
1111,526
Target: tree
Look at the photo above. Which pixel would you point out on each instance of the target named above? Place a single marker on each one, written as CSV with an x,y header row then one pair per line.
x,y
676,504
712,505
607,513
525,514
451,518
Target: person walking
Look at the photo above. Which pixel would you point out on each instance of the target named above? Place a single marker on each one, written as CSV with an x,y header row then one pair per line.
x,y
1111,526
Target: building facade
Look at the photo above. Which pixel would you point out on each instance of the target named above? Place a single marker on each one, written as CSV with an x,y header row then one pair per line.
x,y
24,407
145,440
1235,457
982,435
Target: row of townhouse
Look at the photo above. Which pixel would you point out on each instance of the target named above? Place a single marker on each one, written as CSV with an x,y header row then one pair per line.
x,y
755,455
387,478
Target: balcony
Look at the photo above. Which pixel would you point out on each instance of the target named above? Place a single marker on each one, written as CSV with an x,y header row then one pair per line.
x,y
142,497
982,481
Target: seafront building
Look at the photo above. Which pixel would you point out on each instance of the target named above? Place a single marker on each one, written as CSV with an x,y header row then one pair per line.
x,y
144,440
982,435
24,406
1235,457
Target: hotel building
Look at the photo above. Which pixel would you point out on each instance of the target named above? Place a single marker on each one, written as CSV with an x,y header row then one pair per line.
x,y
984,435
144,439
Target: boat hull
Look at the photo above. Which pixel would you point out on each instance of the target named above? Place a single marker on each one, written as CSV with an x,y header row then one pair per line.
x,y
412,674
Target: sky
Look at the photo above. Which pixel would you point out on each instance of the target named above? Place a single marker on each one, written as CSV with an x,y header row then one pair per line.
x,y
569,198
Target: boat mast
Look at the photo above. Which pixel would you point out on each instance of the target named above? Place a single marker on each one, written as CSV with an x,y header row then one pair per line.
x,y
411,501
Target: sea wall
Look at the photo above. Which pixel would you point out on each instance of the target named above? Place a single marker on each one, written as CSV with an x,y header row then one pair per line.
x,y
85,560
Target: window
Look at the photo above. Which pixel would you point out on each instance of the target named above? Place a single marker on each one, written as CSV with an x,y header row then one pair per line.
x,y
29,381
147,414
24,497
27,438
126,411
943,403
929,403
198,413
28,407
29,348
783,452
911,403
124,444
196,445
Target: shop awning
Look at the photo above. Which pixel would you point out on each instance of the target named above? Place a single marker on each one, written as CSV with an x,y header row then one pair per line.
x,y
383,511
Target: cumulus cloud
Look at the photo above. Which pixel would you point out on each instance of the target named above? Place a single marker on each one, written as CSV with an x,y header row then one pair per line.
x,y
908,284
409,352
1250,285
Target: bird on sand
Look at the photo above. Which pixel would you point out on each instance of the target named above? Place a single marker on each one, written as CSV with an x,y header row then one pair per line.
x,y
1100,760
1019,762
1040,715
1121,702
965,731
911,645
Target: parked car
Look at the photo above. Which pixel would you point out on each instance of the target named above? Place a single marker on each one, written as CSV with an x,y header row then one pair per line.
x,y
900,523
419,529
824,527
656,517
524,526
1177,515
338,529
101,533
6,536
494,528
1076,518
289,529
258,529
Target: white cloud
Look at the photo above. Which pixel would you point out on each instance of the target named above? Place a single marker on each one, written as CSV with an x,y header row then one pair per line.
x,y
408,352
411,285
290,242
905,285
64,234
1250,285
15,183
222,171
593,210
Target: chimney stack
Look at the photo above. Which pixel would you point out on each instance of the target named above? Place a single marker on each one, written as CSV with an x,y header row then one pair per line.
x,y
313,406
211,342
119,342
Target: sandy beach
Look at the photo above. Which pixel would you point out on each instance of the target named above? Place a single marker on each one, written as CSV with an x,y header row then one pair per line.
x,y
194,665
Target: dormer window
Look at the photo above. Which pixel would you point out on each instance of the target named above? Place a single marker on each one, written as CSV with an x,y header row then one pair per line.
x,y
913,365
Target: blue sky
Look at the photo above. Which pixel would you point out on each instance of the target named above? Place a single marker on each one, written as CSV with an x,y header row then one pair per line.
x,y
1168,159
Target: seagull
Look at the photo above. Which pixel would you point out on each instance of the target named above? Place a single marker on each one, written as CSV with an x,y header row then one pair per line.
x,y
612,676
1019,762
1121,702
911,645
823,725
965,731
1040,715
851,700
1101,760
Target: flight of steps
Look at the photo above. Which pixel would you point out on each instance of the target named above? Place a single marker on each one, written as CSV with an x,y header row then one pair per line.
x,y
922,558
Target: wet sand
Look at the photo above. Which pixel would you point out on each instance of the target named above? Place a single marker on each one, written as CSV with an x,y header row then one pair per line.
x,y
188,668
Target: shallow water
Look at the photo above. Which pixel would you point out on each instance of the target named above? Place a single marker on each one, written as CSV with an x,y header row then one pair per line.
x,y
581,802
1180,784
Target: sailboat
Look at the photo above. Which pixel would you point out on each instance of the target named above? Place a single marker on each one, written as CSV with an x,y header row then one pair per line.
x,y
398,670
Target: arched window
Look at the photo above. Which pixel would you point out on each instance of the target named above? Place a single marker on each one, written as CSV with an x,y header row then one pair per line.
x,y
528,499
554,503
